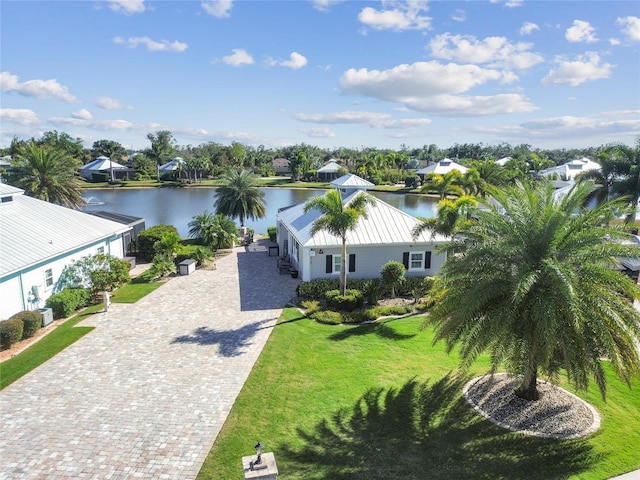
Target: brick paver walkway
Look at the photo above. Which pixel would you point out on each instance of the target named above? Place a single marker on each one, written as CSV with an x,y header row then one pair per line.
x,y
145,394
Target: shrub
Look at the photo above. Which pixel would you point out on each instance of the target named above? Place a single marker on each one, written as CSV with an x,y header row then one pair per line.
x,y
316,289
327,317
82,273
372,289
67,301
10,332
351,300
162,266
310,306
147,239
31,320
393,275
272,232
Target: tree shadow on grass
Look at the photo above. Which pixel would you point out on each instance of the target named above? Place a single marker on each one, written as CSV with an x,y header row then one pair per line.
x,y
380,329
426,430
231,343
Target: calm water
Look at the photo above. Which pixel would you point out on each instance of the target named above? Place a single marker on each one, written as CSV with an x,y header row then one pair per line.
x,y
177,206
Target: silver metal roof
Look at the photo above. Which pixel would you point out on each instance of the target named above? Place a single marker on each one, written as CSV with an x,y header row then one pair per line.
x,y
32,231
385,225
351,181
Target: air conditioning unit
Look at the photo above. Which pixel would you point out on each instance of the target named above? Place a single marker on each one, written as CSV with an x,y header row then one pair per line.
x,y
47,316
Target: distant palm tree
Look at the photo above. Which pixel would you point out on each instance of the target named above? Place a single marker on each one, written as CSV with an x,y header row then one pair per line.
x,y
627,183
531,281
48,175
443,185
338,219
239,198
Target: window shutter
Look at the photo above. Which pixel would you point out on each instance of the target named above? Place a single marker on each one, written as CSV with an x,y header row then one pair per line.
x,y
405,260
352,262
329,264
427,260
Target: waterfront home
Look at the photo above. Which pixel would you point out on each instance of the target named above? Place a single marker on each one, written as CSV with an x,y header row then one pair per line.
x,y
102,165
39,239
386,234
571,169
441,167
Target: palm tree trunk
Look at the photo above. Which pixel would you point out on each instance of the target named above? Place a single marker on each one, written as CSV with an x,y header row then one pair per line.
x,y
528,389
343,268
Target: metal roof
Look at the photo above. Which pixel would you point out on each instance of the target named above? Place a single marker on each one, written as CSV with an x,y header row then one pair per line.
x,y
351,181
442,167
32,231
102,163
385,225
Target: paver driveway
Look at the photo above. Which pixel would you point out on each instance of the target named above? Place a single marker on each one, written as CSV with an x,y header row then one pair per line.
x,y
145,394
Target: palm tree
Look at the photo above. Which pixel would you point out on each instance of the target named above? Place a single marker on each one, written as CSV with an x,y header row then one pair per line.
x,y
49,175
215,231
200,226
627,183
338,218
443,185
451,215
239,197
531,281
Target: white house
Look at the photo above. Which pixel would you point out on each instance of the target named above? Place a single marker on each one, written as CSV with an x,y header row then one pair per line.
x,y
329,171
503,161
101,164
386,234
172,165
442,167
571,169
38,239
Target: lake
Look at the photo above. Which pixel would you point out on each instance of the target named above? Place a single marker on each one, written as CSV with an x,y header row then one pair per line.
x,y
177,206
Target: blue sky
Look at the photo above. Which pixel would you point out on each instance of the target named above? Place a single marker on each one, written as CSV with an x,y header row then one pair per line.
x,y
553,74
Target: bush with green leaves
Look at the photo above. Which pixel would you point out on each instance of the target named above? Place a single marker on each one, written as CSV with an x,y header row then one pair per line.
x,y
148,238
10,332
81,273
372,290
393,275
328,317
348,302
162,266
66,302
31,320
316,289
310,306
272,232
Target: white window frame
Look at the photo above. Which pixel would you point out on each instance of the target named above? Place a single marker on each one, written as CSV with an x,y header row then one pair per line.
x,y
337,264
48,278
412,260
100,250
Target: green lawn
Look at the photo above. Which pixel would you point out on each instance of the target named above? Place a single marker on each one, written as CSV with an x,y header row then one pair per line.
x,y
379,402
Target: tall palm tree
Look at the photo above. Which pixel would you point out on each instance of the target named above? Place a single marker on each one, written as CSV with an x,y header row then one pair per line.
x,y
238,197
338,219
49,175
627,182
443,185
531,281
451,215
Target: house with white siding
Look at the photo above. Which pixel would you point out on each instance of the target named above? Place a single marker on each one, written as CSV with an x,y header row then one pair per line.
x,y
38,240
571,169
386,234
441,167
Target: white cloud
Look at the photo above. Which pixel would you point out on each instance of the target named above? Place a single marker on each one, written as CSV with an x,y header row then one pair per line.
x,y
35,88
581,31
459,15
295,61
614,42
217,8
324,5
109,103
127,7
513,3
238,57
152,45
630,27
404,16
434,88
372,119
82,114
584,68
528,28
320,132
494,51
21,116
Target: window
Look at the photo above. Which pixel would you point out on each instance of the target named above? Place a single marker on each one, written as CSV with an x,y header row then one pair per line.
x,y
415,260
100,250
336,263
333,264
48,278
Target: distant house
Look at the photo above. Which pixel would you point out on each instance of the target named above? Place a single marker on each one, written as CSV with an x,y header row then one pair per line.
x,y
38,240
571,169
503,161
172,165
329,171
441,167
281,166
95,170
385,235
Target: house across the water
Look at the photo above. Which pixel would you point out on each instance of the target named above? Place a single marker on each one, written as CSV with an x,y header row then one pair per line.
x,y
386,234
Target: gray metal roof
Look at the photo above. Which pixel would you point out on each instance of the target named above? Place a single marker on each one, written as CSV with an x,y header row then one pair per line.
x,y
351,181
32,230
385,225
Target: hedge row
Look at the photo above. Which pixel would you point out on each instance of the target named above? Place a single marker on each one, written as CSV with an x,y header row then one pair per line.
x,y
415,287
68,301
31,320
10,332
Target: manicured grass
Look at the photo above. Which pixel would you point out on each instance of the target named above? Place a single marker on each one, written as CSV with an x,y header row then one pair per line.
x,y
45,348
132,292
379,402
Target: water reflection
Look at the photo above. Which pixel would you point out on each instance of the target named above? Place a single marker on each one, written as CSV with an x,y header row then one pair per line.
x,y
177,206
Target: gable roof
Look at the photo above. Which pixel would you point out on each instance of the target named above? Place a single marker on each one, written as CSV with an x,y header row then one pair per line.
x,y
102,163
572,168
331,166
442,167
351,181
384,225
32,231
171,165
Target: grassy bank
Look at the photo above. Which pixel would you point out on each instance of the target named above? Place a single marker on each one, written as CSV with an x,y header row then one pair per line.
x,y
378,402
